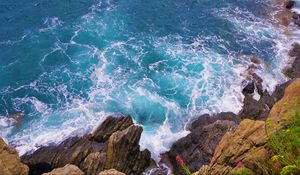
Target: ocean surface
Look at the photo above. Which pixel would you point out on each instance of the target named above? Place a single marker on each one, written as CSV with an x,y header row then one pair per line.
x,y
67,64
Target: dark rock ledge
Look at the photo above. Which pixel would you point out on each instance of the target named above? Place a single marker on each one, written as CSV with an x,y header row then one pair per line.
x,y
113,145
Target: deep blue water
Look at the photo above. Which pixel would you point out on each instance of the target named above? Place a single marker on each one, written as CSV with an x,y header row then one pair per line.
x,y
66,64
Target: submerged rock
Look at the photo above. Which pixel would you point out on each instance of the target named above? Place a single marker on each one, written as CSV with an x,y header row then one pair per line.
x,y
66,170
10,163
113,145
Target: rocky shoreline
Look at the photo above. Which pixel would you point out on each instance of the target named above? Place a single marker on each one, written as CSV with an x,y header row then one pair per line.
x,y
213,145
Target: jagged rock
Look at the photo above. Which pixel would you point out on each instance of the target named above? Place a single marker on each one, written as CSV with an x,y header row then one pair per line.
x,y
114,144
126,140
197,148
295,51
66,170
111,172
279,90
295,15
284,106
245,144
290,4
249,88
253,108
10,163
109,126
294,70
248,142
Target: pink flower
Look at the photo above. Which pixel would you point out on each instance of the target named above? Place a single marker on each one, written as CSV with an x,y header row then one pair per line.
x,y
179,160
229,168
239,164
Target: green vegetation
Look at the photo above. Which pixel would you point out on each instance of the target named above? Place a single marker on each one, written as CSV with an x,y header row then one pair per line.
x,y
285,144
242,171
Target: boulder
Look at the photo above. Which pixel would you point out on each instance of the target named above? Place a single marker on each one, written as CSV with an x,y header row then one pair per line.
x,y
290,4
295,15
256,108
10,163
295,51
249,88
109,126
198,147
111,172
113,145
66,170
294,70
123,147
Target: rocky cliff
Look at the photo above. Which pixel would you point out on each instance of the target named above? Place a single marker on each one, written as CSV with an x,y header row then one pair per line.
x,y
247,143
113,145
10,163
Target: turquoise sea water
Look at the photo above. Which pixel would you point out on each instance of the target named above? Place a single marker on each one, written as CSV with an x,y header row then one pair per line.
x,y
67,64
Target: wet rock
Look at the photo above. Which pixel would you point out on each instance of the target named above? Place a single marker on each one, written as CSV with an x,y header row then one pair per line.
x,y
197,148
161,170
295,15
256,108
279,90
10,163
290,4
18,117
254,59
295,51
113,145
249,88
66,170
294,70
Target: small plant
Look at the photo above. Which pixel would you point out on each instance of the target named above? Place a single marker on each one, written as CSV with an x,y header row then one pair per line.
x,y
240,169
285,144
182,165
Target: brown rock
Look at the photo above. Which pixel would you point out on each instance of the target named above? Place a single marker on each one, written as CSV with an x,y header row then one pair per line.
x,y
245,144
126,140
111,172
114,144
10,163
66,170
111,125
248,142
94,162
284,106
